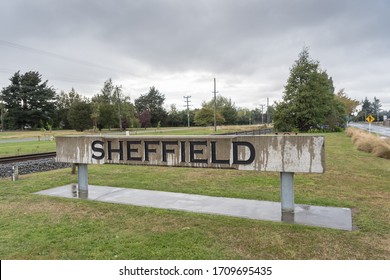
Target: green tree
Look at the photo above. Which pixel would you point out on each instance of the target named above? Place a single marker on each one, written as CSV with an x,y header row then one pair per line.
x,y
128,118
64,102
205,117
111,108
184,117
179,118
107,116
2,116
124,109
376,105
260,115
308,99
244,116
367,107
103,113
337,116
28,101
95,115
153,102
174,117
225,107
79,115
349,103
270,113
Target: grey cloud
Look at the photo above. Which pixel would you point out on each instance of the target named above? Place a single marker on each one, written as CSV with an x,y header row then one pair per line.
x,y
247,40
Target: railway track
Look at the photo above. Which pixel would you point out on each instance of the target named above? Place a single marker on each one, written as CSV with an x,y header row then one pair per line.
x,y
27,157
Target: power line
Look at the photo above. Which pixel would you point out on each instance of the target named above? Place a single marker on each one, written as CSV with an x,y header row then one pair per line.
x,y
58,56
67,78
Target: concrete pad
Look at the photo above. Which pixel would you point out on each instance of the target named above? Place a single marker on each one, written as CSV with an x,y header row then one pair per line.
x,y
327,217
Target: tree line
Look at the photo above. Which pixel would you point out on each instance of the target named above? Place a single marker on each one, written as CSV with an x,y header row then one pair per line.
x,y
29,103
309,103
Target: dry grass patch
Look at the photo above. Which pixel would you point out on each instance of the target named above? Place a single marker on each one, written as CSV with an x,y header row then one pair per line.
x,y
370,143
382,149
241,127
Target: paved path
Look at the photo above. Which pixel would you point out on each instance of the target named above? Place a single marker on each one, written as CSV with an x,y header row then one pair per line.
x,y
30,139
328,217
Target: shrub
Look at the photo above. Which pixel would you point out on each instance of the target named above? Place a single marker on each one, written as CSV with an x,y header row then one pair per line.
x,y
369,143
364,144
382,149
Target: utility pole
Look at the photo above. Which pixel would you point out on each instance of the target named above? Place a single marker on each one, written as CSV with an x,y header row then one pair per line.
x,y
215,105
262,110
267,110
117,94
188,107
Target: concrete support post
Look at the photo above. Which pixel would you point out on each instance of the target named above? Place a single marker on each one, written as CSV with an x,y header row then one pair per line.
x,y
83,180
287,191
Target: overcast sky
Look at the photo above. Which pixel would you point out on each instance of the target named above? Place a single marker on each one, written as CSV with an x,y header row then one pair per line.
x,y
179,46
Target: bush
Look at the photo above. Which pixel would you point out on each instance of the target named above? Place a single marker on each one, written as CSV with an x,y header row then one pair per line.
x,y
382,149
369,143
365,145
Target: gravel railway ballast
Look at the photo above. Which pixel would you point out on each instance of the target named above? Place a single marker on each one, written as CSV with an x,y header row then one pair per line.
x,y
30,163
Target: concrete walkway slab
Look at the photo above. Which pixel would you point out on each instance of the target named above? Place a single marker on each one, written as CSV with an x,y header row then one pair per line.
x,y
327,217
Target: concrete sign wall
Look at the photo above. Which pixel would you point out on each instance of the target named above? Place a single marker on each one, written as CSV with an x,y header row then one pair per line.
x,y
261,153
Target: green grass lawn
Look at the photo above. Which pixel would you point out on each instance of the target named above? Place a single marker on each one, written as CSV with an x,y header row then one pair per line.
x,y
40,227
4,135
31,147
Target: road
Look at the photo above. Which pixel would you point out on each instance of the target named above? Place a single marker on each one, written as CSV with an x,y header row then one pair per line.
x,y
378,129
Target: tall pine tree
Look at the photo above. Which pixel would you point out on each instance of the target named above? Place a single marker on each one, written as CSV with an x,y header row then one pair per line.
x,y
308,100
28,101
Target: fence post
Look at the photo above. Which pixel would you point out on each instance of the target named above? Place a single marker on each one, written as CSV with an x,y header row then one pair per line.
x,y
15,173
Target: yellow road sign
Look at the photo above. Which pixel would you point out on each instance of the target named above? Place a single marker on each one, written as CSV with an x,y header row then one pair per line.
x,y
370,119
